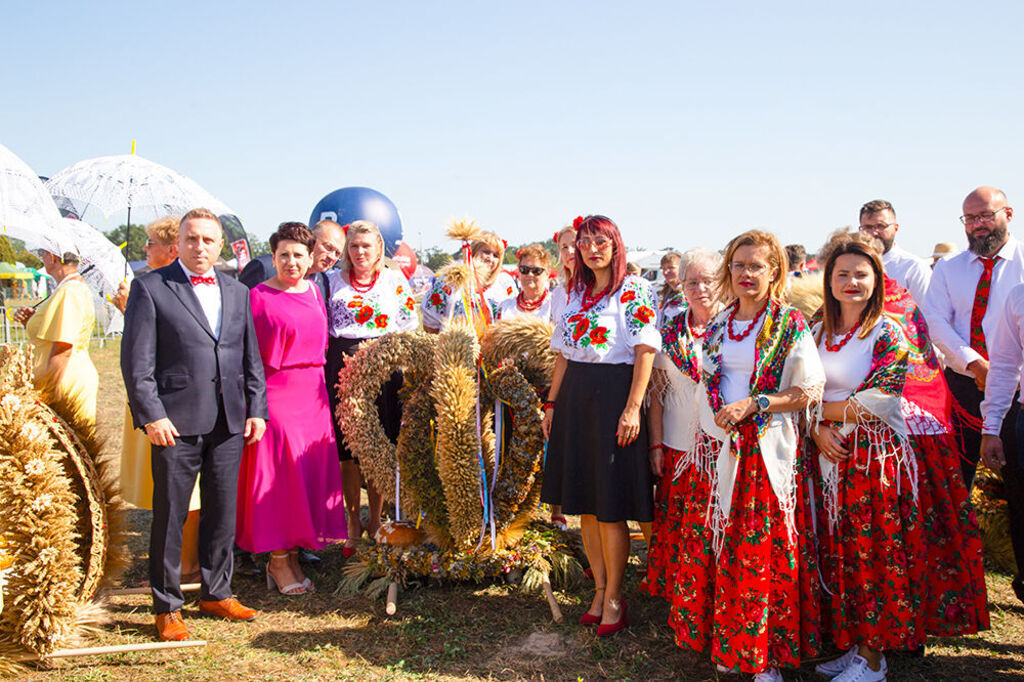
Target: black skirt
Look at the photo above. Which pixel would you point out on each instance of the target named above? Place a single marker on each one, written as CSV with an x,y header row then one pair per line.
x,y
586,471
388,407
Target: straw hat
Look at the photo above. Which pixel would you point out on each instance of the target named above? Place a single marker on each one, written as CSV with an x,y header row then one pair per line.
x,y
944,249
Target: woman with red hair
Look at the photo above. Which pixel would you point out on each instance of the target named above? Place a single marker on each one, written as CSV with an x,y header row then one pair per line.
x,y
597,463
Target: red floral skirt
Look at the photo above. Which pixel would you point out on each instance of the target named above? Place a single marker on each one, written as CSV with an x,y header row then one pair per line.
x,y
663,556
955,601
691,590
767,609
873,560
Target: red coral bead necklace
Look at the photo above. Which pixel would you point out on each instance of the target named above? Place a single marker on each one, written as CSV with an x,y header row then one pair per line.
x,y
362,288
529,306
842,342
590,300
689,328
753,323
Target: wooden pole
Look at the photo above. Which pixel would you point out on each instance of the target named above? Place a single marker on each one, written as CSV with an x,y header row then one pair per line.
x,y
556,612
121,591
392,606
116,649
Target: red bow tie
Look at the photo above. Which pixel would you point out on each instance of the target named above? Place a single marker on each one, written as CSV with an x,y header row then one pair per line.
x,y
196,279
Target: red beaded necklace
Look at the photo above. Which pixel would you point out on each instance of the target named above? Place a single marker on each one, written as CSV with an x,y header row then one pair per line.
x,y
362,288
589,300
527,306
842,342
689,329
753,323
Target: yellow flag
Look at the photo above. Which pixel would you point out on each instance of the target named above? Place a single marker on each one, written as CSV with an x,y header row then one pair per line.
x,y
133,146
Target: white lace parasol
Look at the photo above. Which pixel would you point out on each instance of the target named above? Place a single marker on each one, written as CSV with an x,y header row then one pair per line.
x,y
27,211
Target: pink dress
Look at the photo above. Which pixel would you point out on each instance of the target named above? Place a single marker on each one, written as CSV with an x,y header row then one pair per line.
x,y
289,484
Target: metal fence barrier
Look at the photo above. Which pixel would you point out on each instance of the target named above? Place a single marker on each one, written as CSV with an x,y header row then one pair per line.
x,y
12,332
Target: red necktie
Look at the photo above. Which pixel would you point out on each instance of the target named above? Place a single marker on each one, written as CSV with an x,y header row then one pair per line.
x,y
196,279
980,306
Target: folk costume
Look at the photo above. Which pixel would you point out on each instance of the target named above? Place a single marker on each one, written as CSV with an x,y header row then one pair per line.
x,y
670,304
873,556
680,552
764,610
441,303
514,306
357,313
587,472
955,600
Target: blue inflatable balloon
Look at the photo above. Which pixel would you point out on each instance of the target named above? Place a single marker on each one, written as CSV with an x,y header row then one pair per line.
x,y
349,204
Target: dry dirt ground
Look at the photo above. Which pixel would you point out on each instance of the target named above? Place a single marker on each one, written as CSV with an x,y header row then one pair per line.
x,y
464,632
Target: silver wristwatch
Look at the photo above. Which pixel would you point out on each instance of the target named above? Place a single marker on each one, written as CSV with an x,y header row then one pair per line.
x,y
762,402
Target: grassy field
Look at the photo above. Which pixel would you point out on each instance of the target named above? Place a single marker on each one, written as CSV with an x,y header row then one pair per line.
x,y
466,632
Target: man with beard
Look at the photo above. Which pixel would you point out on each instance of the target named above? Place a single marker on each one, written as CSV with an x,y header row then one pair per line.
x,y
878,219
968,298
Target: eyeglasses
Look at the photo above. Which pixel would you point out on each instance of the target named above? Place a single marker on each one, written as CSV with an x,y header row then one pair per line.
x,y
707,283
596,242
151,243
877,227
986,217
528,270
754,269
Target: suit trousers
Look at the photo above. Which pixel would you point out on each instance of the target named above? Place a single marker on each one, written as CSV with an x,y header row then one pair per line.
x,y
966,393
217,455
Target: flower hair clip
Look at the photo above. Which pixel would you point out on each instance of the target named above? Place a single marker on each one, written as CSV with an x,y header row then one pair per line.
x,y
576,222
504,243
344,228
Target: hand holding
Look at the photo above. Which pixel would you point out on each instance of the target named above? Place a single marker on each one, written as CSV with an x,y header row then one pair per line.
x,y
979,368
732,414
22,315
830,443
120,299
992,451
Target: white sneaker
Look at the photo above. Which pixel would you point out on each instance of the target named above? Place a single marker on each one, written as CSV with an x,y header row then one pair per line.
x,y
722,670
769,675
836,665
858,671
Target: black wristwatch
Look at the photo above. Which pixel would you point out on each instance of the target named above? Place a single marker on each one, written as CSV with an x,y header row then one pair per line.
x,y
762,402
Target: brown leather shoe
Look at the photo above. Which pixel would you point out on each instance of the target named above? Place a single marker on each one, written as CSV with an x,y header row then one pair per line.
x,y
228,609
170,627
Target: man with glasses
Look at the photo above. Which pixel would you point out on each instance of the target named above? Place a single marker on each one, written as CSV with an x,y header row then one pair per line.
x,y
878,218
330,242
968,296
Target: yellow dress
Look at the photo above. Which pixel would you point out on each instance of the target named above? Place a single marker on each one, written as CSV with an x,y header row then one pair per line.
x,y
66,317
137,469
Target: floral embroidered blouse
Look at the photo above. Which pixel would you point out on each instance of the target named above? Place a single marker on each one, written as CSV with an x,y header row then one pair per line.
x,y
387,307
608,332
510,308
440,306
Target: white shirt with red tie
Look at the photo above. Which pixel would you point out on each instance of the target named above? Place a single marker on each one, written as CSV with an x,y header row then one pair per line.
x,y
951,300
208,295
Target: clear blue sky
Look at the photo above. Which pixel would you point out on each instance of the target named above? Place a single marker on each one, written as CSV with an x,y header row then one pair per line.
x,y
684,122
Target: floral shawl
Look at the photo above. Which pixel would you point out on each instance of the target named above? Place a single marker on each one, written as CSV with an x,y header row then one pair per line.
x,y
880,396
785,355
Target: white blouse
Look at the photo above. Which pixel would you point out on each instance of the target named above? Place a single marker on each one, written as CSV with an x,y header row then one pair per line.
x,y
847,368
608,332
387,307
440,305
509,308
738,362
680,408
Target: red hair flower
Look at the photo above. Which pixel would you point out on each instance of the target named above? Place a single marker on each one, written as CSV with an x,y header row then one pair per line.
x,y
344,228
576,222
504,244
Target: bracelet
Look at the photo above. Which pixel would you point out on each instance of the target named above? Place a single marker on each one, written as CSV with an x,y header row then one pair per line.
x,y
659,446
548,405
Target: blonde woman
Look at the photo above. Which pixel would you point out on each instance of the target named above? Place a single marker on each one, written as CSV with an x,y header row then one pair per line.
x,y
367,301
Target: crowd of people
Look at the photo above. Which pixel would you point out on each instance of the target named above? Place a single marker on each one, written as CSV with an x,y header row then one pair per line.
x,y
802,478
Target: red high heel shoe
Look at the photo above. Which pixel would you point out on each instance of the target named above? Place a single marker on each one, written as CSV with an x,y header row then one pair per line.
x,y
612,628
587,619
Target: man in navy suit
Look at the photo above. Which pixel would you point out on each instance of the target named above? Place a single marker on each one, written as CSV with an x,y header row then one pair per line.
x,y
194,377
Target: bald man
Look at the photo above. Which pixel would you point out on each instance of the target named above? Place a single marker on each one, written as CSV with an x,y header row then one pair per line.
x,y
969,296
330,241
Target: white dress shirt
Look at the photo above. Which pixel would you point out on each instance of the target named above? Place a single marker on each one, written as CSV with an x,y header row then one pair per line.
x,y
951,300
209,297
909,271
1006,355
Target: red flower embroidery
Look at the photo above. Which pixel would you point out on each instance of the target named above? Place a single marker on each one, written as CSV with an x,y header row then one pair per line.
x,y
447,289
581,329
364,314
644,314
628,296
575,318
599,335
381,321
410,303
435,298
399,290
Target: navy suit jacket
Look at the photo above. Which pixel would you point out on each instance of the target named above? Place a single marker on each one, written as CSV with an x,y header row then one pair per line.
x,y
174,367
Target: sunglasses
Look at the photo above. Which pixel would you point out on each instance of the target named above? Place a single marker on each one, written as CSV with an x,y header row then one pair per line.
x,y
527,270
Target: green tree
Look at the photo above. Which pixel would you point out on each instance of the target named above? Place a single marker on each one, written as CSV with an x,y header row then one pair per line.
x,y
258,247
137,240
28,259
6,251
434,258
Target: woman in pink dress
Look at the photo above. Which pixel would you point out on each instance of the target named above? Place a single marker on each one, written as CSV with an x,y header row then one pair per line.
x,y
289,486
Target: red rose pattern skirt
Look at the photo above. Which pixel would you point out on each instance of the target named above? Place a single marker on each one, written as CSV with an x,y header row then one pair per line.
x,y
873,561
955,600
766,608
664,555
